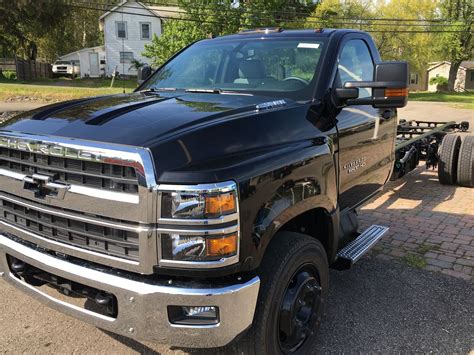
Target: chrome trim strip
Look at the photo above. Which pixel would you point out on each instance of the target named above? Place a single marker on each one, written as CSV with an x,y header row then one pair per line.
x,y
12,174
200,222
105,195
201,264
222,187
143,304
203,232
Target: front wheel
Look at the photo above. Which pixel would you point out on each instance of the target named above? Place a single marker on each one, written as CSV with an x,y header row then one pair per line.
x,y
295,278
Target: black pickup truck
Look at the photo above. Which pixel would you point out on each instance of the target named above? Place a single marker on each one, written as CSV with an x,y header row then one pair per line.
x,y
206,207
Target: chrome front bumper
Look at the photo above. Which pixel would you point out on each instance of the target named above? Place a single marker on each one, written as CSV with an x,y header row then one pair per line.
x,y
142,306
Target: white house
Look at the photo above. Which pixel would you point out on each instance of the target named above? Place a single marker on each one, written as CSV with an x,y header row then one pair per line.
x,y
91,61
127,28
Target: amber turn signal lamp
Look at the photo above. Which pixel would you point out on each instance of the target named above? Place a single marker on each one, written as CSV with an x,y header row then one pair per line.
x,y
402,92
226,245
220,204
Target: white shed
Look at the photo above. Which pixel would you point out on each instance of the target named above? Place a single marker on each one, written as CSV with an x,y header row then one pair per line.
x,y
91,61
127,28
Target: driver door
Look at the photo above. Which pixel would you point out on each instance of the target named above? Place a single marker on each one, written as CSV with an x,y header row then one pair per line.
x,y
366,134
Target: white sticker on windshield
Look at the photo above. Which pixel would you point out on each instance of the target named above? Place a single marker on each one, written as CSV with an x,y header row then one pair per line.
x,y
308,45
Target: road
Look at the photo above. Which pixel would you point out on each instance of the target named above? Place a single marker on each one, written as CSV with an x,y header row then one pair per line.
x,y
19,106
378,306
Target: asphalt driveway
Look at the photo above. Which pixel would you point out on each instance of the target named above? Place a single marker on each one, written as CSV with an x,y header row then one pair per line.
x,y
378,306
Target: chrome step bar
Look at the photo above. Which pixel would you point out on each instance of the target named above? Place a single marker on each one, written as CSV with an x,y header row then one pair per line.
x,y
359,246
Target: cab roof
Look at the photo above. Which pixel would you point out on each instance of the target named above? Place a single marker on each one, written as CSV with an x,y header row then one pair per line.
x,y
275,32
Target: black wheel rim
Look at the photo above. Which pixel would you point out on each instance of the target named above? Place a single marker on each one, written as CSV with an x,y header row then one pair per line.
x,y
299,308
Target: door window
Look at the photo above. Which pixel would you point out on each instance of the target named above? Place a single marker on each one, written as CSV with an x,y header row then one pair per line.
x,y
355,64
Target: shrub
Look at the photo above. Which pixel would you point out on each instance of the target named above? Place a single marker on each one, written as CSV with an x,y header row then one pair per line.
x,y
439,80
9,75
441,83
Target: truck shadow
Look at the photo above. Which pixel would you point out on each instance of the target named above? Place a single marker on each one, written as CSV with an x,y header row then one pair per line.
x,y
131,343
383,306
420,185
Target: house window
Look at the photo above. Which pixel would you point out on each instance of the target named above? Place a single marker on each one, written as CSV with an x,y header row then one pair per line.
x,y
121,30
126,57
472,76
414,78
145,30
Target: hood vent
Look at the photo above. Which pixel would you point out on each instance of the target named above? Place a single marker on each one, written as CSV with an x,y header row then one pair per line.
x,y
47,112
114,113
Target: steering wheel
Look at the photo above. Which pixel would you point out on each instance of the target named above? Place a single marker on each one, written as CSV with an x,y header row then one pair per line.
x,y
302,81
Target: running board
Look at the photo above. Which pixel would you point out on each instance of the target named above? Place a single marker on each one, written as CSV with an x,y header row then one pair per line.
x,y
348,256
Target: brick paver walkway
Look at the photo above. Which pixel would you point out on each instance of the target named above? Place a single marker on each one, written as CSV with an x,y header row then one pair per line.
x,y
431,225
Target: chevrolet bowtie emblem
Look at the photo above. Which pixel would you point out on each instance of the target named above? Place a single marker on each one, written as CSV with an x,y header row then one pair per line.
x,y
44,187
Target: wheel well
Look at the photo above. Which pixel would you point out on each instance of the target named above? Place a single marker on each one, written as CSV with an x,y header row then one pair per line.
x,y
315,223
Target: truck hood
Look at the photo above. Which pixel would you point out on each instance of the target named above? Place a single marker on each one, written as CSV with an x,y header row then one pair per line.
x,y
137,119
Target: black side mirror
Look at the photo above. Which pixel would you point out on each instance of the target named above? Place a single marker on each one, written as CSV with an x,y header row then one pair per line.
x,y
389,90
397,77
143,73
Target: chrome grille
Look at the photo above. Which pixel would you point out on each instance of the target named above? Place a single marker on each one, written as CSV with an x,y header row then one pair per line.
x,y
71,171
89,200
103,239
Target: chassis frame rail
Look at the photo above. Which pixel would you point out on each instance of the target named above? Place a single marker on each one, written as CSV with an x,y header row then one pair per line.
x,y
420,140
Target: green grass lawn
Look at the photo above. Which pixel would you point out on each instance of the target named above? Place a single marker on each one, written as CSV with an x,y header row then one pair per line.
x,y
461,100
51,90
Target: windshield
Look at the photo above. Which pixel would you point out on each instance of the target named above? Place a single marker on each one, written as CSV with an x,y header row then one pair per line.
x,y
279,68
62,62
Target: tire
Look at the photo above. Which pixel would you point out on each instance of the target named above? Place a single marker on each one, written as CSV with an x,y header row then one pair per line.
x,y
448,159
290,259
465,170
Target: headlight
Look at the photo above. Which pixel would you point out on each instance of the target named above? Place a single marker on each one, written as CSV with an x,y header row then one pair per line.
x,y
198,205
198,248
199,225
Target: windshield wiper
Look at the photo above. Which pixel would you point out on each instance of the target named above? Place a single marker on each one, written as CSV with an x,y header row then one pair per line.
x,y
158,89
206,91
218,91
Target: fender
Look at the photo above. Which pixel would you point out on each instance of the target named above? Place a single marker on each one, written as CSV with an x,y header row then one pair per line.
x,y
291,190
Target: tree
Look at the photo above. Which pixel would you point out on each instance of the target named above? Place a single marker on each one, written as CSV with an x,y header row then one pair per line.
x,y
206,18
215,17
330,14
48,28
457,46
176,35
23,22
274,13
391,38
396,43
